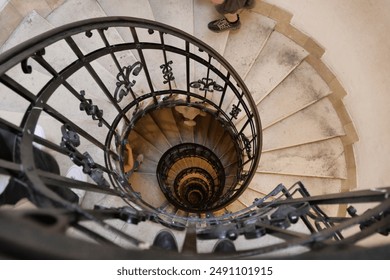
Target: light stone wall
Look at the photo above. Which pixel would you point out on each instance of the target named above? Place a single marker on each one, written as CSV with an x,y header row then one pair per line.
x,y
354,35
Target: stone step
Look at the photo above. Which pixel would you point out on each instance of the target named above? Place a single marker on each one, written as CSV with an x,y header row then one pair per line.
x,y
10,18
143,10
10,101
241,51
249,195
279,57
43,7
201,129
128,8
59,56
235,206
165,120
141,146
138,9
324,159
300,89
226,150
186,131
182,164
314,123
104,232
74,10
264,183
151,132
214,134
148,167
204,12
176,13
32,25
148,187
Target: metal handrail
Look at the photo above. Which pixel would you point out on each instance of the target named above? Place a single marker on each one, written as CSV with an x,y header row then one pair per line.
x,y
195,94
271,214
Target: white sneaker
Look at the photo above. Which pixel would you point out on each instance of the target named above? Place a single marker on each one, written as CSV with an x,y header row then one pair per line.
x,y
41,133
4,180
76,173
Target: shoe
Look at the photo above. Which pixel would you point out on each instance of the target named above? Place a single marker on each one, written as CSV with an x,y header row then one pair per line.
x,y
224,246
165,240
223,24
39,131
138,162
76,173
140,158
4,180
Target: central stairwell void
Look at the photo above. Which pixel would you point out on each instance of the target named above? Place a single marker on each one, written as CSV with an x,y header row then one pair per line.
x,y
98,85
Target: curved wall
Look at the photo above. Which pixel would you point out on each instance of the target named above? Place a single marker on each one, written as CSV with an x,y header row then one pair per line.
x,y
354,34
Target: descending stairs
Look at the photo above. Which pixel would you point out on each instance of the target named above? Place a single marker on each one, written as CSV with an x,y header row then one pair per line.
x,y
307,132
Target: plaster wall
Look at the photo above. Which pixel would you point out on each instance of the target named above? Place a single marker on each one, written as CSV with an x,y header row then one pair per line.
x,y
354,34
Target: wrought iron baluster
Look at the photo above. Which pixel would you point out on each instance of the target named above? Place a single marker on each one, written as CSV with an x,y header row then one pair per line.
x,y
188,72
224,92
143,62
124,84
166,67
18,88
64,182
72,44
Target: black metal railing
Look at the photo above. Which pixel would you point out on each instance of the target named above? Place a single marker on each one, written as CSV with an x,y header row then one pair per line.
x,y
112,99
88,84
211,185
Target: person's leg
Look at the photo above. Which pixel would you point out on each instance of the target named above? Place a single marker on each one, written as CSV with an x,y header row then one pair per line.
x,y
131,166
16,188
47,162
231,19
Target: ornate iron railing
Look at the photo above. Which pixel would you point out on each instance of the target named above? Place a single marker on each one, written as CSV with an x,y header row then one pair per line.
x,y
88,88
116,105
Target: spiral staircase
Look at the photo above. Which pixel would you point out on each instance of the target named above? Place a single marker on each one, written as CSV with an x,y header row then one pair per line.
x,y
131,73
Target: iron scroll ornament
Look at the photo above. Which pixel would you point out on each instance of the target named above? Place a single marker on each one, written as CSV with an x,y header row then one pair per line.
x,y
125,84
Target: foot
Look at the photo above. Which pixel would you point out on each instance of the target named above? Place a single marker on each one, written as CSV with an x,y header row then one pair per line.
x,y
39,131
223,24
140,158
138,162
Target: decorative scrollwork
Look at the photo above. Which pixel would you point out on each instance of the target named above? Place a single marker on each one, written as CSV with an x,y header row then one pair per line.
x,y
70,140
243,176
26,68
88,33
235,111
91,110
207,85
125,83
167,72
247,145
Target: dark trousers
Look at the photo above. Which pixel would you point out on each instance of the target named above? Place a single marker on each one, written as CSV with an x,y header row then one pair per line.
x,y
16,190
